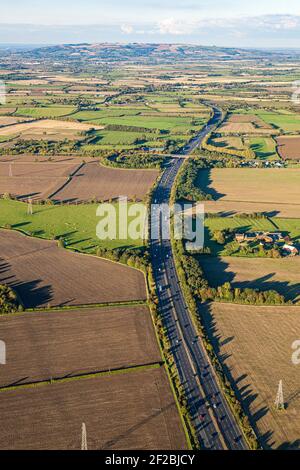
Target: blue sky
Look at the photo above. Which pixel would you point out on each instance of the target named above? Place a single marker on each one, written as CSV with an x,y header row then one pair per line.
x,y
255,23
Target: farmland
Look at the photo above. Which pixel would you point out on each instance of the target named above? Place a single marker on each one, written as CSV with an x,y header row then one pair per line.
x,y
271,187
75,224
288,147
255,345
101,183
124,411
51,344
281,275
44,275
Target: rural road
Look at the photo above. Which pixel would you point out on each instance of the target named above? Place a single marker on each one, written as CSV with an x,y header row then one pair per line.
x,y
215,425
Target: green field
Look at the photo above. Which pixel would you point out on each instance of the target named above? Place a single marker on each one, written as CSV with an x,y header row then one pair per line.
x,y
288,122
76,224
263,147
47,112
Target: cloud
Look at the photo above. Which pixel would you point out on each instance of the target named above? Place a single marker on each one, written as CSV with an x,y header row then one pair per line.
x,y
127,29
175,27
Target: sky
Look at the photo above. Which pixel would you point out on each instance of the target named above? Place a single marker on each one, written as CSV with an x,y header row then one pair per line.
x,y
255,23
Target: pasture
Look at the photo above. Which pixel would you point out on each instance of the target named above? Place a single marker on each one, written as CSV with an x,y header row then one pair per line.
x,y
130,411
255,346
45,275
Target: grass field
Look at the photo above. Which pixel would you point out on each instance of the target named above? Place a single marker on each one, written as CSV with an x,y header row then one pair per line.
x,y
43,274
288,122
282,275
130,411
55,344
76,224
255,344
45,112
263,147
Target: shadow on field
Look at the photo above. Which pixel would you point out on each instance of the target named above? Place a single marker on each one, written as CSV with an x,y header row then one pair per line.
x,y
217,272
242,389
29,292
205,183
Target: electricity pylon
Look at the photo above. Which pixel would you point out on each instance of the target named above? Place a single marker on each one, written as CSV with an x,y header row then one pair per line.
x,y
84,445
29,207
279,402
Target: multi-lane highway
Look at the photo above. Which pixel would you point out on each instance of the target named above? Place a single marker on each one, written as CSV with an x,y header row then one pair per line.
x,y
215,425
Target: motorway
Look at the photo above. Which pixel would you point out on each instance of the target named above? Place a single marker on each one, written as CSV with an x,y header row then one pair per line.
x,y
215,425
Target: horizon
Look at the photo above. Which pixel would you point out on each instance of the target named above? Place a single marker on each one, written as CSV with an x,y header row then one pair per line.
x,y
225,23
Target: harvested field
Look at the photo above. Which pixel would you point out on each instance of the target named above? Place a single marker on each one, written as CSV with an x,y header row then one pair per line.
x,y
289,147
259,185
9,120
38,180
134,410
231,208
43,274
102,183
46,128
56,344
255,344
244,128
282,275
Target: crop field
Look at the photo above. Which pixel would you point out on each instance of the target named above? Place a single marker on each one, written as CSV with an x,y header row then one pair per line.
x,y
56,344
282,275
46,129
255,344
36,180
289,147
9,120
280,186
45,275
102,183
130,411
229,209
245,124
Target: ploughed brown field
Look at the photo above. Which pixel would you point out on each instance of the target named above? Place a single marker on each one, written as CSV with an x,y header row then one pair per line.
x,y
96,181
282,275
44,274
255,344
257,185
56,344
289,147
37,180
134,410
